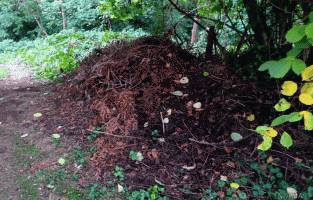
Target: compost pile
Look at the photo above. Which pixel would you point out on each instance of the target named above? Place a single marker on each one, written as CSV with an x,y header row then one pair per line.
x,y
128,88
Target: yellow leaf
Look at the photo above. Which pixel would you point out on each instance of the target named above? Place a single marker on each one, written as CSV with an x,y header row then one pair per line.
x,y
306,99
289,88
234,185
307,74
305,114
307,88
308,120
251,118
269,132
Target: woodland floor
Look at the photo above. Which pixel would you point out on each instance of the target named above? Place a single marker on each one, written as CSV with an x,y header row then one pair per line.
x,y
129,91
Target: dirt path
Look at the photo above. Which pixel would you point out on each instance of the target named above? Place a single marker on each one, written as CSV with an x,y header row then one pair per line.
x,y
13,104
19,75
29,155
20,97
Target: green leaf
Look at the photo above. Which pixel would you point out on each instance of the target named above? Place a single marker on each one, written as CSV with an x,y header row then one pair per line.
x,y
159,182
178,93
294,52
298,66
267,65
303,43
308,30
236,136
280,69
295,116
282,105
296,33
280,120
286,140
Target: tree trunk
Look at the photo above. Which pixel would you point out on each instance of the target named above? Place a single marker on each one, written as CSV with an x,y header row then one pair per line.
x,y
37,20
258,23
210,42
194,32
63,15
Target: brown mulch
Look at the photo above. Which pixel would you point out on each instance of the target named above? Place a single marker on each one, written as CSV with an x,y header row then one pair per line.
x,y
128,89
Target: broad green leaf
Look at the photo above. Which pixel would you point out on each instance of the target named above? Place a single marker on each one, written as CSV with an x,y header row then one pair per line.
x,y
296,33
309,30
295,116
303,43
280,69
311,17
286,140
280,120
267,65
298,66
294,52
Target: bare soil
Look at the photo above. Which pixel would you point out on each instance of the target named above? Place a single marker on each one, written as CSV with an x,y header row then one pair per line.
x,y
21,96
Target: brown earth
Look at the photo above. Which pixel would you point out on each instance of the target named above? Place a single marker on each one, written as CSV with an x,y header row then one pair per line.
x,y
126,88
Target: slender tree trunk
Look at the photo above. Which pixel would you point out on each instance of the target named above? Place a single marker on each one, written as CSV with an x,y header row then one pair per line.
x,y
210,42
194,32
37,20
63,15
